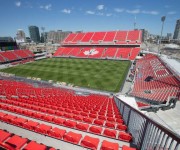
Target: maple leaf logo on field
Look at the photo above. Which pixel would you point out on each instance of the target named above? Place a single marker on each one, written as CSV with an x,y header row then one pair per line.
x,y
91,52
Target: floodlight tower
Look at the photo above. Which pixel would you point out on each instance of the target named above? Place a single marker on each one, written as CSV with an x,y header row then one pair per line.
x,y
163,18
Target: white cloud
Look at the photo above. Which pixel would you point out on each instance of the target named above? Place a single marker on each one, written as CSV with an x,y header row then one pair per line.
x,y
90,12
66,11
150,12
47,7
171,13
135,11
100,7
108,15
18,3
118,10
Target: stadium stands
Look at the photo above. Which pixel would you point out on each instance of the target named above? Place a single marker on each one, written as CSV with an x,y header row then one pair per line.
x,y
42,103
98,52
99,45
111,37
154,81
16,56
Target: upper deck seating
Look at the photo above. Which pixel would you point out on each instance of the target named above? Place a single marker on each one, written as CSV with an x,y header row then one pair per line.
x,y
111,37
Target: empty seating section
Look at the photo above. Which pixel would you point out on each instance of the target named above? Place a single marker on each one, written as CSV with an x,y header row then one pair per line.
x,y
9,55
133,35
154,81
123,53
78,37
97,45
21,54
98,36
120,37
109,37
110,52
59,51
113,37
98,52
65,108
87,37
74,51
11,142
66,51
31,54
134,53
14,55
70,37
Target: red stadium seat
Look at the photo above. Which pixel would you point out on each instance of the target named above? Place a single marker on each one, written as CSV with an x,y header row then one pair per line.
x,y
9,118
59,120
4,135
98,122
127,148
92,115
110,125
34,146
106,145
82,126
90,142
110,133
2,115
70,123
121,127
31,125
48,118
88,120
78,118
20,121
119,120
111,119
102,117
125,136
96,130
72,137
16,141
44,129
57,133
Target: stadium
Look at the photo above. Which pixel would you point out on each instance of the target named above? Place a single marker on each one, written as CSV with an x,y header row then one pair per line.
x,y
99,90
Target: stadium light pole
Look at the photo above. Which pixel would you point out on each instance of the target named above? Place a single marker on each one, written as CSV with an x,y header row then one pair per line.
x,y
163,18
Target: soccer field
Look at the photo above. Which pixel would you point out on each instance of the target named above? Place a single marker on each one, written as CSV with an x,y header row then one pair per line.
x,y
107,75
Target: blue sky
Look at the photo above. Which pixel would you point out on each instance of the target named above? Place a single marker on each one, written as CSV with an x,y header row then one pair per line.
x,y
87,15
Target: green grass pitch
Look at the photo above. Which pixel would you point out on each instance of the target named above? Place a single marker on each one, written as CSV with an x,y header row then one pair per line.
x,y
107,75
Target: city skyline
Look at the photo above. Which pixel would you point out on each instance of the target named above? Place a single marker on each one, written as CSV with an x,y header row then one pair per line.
x,y
90,16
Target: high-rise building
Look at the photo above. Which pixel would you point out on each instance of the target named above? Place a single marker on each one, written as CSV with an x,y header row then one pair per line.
x,y
177,30
34,33
57,36
20,36
145,35
44,37
169,35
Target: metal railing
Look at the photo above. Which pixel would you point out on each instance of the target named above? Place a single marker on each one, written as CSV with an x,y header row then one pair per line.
x,y
147,134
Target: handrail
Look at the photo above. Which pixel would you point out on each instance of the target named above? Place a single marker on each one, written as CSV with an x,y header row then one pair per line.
x,y
147,133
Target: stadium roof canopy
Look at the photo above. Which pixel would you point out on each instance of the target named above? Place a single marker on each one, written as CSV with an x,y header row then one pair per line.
x,y
173,63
